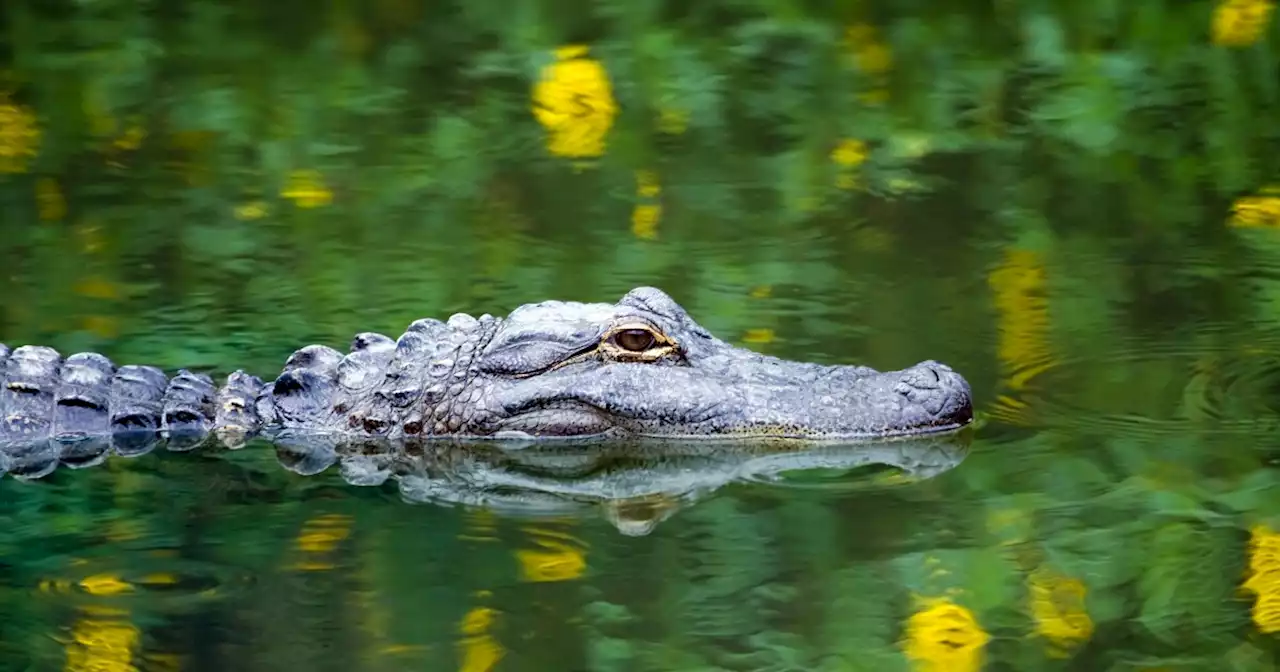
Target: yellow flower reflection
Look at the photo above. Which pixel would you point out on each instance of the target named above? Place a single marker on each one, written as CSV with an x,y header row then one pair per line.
x,y
559,557
1239,23
871,55
102,640
1057,605
573,100
644,220
1019,287
477,649
250,210
873,58
647,184
944,637
130,139
1264,578
1260,210
672,121
306,188
19,136
647,213
104,584
848,155
320,536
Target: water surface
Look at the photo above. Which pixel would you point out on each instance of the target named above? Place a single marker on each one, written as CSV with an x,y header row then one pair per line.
x,y
1073,207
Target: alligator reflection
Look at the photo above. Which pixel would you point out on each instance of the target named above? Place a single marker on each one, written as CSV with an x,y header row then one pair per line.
x,y
634,484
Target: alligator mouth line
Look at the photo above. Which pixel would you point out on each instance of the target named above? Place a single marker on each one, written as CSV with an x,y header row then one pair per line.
x,y
630,427
749,434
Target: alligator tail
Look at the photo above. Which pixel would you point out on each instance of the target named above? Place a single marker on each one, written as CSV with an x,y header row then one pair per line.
x,y
83,403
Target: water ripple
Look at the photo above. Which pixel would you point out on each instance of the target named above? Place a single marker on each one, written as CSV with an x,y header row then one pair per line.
x,y
1150,387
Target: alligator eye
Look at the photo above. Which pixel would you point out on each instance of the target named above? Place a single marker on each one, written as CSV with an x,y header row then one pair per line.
x,y
635,340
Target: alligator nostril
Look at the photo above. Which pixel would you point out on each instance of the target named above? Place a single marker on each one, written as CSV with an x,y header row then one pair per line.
x,y
922,378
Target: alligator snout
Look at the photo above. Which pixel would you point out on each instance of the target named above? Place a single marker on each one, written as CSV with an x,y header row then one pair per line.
x,y
935,395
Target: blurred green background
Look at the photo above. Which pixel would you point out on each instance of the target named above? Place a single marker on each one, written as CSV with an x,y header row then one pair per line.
x,y
1074,203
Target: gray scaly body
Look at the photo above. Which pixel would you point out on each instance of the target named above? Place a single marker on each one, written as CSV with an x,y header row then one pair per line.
x,y
638,368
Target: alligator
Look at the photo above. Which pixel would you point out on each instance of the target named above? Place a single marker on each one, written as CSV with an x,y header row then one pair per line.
x,y
641,367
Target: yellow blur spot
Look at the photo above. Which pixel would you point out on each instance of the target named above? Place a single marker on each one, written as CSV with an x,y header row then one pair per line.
x,y
102,643
131,139
1263,578
1239,23
104,584
480,525
573,100
1057,605
1260,210
672,121
647,185
105,326
478,650
758,336
870,53
848,155
556,561
944,637
318,537
322,534
644,220
646,215
19,136
559,556
54,585
306,188
873,58
250,211
1019,287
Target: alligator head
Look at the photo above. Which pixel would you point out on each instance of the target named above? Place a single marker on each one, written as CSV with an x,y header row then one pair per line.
x,y
644,367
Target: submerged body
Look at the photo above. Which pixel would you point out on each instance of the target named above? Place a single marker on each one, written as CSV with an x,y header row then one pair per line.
x,y
638,368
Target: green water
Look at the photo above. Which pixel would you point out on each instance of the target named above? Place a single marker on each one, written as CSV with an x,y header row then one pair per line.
x,y
1073,204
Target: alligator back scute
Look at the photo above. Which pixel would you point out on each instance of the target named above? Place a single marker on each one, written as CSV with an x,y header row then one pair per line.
x,y
188,409
365,366
236,415
26,400
137,398
82,402
320,359
354,404
301,394
406,374
82,410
